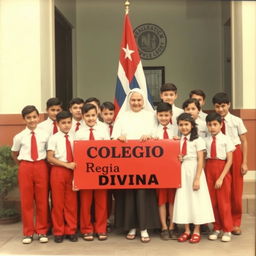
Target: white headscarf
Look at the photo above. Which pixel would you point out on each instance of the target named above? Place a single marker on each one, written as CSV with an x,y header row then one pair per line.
x,y
126,105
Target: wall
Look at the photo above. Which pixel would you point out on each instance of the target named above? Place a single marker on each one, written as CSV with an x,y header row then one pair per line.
x,y
192,59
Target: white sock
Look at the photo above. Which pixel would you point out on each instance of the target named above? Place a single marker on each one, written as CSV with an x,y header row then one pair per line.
x,y
144,233
132,232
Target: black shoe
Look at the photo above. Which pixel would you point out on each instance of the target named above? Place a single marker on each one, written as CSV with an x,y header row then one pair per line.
x,y
58,239
72,238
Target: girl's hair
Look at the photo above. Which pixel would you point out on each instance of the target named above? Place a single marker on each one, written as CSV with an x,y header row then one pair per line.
x,y
187,117
190,101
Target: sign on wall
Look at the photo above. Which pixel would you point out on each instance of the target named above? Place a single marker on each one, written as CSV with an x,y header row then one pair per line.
x,y
151,40
116,165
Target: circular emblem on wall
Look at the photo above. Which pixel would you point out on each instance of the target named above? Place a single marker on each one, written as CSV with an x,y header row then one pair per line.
x,y
151,40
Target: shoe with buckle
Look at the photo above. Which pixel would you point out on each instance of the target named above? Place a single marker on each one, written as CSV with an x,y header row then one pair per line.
x,y
195,238
43,238
27,239
184,237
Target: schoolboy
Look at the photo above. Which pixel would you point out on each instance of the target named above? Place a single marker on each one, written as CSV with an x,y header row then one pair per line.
x,y
96,102
29,152
108,114
168,93
165,130
200,96
64,199
53,107
75,106
233,127
219,148
92,131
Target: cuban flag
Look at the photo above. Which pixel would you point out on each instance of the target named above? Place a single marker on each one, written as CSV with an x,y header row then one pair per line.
x,y
130,71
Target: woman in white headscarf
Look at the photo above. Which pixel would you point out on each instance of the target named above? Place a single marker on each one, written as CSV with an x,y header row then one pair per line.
x,y
136,208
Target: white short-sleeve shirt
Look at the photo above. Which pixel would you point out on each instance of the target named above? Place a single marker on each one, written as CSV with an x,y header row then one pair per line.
x,y
57,143
22,144
234,127
160,131
99,132
223,146
202,128
202,115
47,125
192,146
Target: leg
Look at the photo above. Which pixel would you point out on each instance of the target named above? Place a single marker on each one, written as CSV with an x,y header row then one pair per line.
x,y
100,198
85,211
26,187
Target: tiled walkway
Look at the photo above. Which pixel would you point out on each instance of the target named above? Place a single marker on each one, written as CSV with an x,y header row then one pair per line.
x,y
244,245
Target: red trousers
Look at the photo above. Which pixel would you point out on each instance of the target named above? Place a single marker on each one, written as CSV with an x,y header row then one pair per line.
x,y
64,202
33,180
165,195
237,187
100,220
221,198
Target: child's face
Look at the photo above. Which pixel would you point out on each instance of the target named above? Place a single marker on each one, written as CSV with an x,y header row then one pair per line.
x,y
192,110
168,96
222,109
53,111
136,102
65,125
96,105
214,127
76,111
164,117
199,98
185,127
31,120
107,115
90,117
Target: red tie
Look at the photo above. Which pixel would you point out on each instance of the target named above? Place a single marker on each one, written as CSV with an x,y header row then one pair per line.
x,y
34,153
68,150
223,128
165,135
55,128
184,147
77,126
213,147
110,129
91,137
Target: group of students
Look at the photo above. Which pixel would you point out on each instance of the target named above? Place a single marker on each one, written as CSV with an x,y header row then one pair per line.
x,y
213,155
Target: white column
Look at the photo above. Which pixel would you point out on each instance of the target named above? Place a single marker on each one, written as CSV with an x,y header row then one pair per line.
x,y
243,18
26,54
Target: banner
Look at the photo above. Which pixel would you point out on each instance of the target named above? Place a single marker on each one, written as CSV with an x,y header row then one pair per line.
x,y
111,164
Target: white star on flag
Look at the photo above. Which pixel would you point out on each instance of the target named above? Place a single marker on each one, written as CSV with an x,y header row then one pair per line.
x,y
128,52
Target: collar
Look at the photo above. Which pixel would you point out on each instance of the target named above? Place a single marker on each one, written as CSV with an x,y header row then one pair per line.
x,y
188,137
168,126
227,117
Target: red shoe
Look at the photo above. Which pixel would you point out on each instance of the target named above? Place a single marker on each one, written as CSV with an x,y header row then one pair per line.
x,y
184,237
195,239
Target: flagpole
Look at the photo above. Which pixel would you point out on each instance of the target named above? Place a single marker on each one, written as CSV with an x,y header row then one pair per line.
x,y
127,4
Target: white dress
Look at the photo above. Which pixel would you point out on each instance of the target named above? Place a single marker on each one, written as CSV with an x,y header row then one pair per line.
x,y
192,206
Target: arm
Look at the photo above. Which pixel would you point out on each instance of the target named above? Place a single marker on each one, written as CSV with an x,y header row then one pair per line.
x,y
200,163
244,167
226,169
51,159
14,155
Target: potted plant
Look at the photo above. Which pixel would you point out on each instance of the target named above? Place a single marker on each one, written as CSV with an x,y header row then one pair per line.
x,y
8,180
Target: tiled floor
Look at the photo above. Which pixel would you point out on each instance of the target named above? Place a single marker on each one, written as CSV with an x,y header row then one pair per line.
x,y
244,245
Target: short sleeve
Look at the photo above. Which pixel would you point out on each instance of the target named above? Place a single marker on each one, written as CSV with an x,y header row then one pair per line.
x,y
200,144
241,127
16,143
51,144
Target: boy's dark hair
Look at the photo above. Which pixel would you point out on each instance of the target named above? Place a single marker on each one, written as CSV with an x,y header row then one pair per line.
x,y
164,106
28,109
63,115
53,102
75,101
189,118
190,101
213,117
168,87
87,107
107,105
197,92
220,97
89,100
